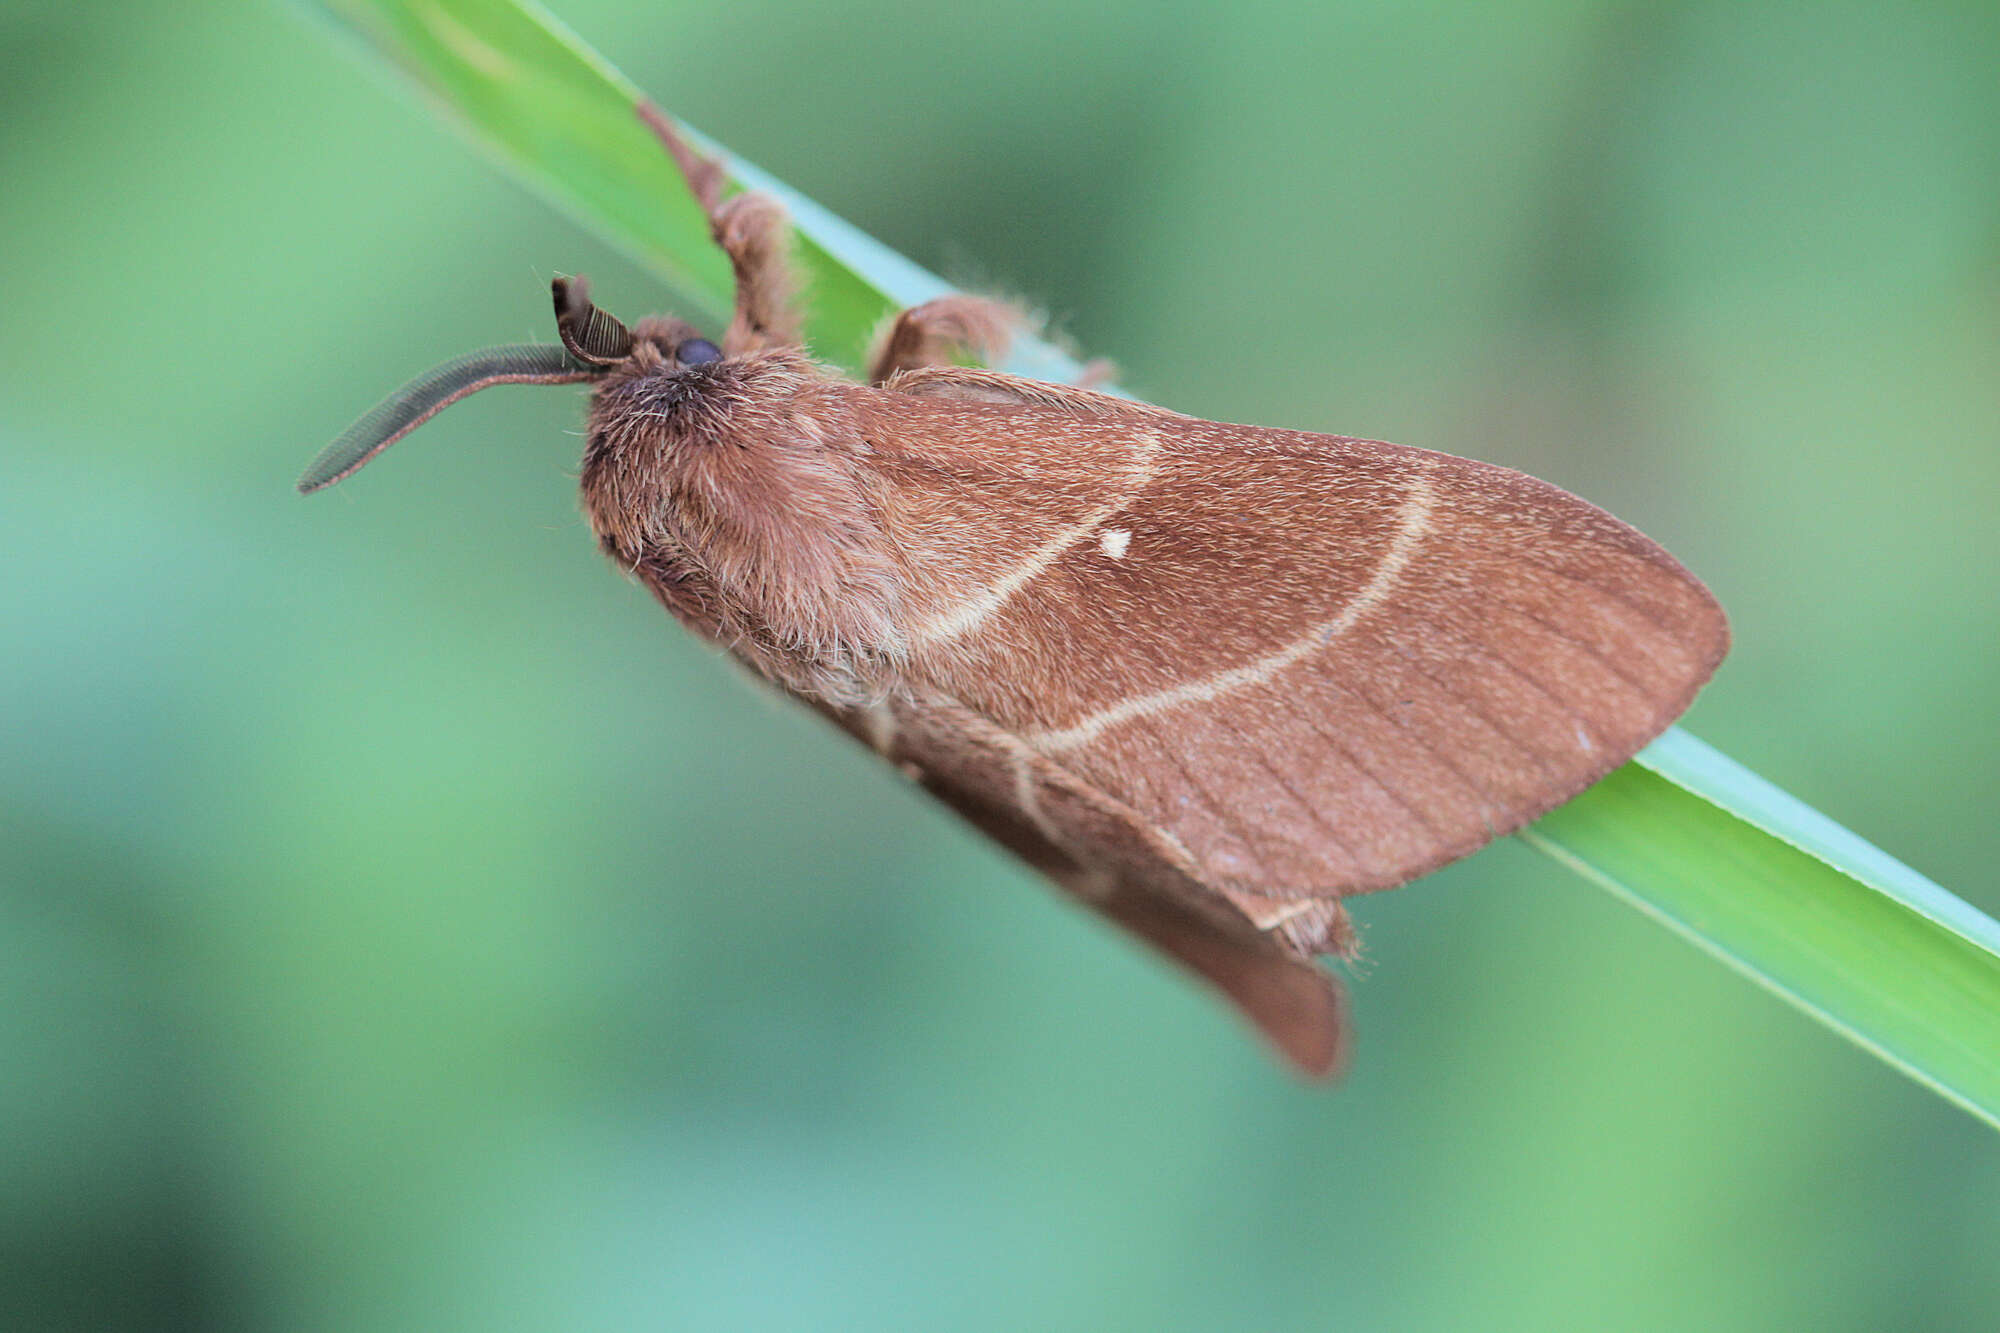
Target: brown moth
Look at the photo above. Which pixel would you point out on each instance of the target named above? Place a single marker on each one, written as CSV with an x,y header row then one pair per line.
x,y
1209,679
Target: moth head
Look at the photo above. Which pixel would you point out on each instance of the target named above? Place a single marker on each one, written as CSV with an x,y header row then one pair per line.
x,y
593,346
594,338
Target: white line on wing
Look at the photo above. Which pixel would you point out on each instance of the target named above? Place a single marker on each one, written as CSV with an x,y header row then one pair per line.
x,y
975,609
1413,523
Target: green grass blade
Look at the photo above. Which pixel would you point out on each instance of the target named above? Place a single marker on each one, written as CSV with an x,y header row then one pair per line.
x,y
1789,898
1799,905
534,96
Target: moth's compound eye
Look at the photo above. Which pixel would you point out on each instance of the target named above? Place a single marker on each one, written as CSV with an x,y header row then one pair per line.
x,y
698,352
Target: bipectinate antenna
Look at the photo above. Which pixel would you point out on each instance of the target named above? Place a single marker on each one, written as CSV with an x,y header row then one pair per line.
x,y
423,398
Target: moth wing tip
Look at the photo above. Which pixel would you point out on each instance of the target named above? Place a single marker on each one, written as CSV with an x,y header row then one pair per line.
x,y
1306,1021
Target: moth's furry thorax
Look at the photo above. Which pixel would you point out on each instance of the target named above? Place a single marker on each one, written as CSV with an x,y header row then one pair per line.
x,y
736,491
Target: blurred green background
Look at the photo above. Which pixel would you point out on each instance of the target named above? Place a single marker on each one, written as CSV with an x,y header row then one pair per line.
x,y
403,925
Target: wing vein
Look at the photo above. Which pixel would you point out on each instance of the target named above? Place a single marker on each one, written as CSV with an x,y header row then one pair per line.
x,y
1602,658
1312,811
1479,712
1479,792
1223,814
1392,793
1612,594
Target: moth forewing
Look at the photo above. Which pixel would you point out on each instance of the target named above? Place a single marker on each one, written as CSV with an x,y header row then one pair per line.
x,y
1318,665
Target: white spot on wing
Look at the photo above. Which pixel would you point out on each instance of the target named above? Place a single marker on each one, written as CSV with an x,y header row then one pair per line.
x,y
969,613
1113,541
1413,522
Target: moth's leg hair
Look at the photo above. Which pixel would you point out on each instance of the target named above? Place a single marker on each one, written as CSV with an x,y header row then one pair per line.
x,y
752,231
937,332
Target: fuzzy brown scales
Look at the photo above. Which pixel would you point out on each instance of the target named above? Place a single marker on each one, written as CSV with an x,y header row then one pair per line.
x,y
739,486
1306,667
1210,679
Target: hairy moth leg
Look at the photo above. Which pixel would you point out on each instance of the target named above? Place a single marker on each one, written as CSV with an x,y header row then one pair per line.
x,y
938,331
752,231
